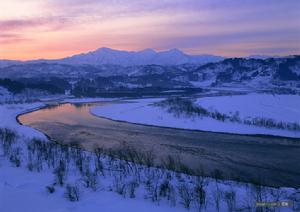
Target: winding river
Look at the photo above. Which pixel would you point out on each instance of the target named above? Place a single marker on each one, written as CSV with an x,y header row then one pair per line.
x,y
269,160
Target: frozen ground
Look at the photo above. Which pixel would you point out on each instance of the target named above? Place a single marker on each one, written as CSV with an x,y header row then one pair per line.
x,y
280,107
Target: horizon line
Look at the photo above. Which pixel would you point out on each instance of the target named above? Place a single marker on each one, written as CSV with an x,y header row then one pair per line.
x,y
152,49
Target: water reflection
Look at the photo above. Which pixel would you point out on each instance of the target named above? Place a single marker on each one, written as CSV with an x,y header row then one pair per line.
x,y
67,113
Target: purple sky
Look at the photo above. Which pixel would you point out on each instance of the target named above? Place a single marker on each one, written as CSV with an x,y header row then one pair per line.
x,y
56,28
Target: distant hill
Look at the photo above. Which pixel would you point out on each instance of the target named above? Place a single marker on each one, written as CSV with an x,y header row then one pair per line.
x,y
5,63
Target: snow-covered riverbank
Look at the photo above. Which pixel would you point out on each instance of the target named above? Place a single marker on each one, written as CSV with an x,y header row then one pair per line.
x,y
282,108
278,107
9,112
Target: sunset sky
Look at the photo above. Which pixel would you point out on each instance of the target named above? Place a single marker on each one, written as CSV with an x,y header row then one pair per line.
x,y
31,29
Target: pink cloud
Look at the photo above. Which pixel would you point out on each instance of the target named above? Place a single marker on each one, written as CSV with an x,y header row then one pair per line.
x,y
9,38
48,22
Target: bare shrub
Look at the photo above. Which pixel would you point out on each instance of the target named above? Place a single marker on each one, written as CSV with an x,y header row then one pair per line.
x,y
153,177
90,179
119,184
200,193
15,157
60,173
186,195
98,162
148,158
164,188
132,186
169,163
72,193
7,138
217,196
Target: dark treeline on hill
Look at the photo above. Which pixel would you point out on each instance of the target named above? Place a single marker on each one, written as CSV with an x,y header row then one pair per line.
x,y
285,72
87,88
12,86
52,86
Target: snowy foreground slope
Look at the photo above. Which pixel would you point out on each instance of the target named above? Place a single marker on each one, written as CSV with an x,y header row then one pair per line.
x,y
21,190
280,108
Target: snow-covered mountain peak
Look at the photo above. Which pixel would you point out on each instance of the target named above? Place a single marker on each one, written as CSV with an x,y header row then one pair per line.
x,y
147,51
148,56
105,50
173,51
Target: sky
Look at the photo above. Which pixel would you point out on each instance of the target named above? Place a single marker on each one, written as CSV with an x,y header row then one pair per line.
x,y
34,29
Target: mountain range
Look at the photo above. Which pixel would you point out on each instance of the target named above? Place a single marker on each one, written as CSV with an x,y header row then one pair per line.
x,y
145,57
107,56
